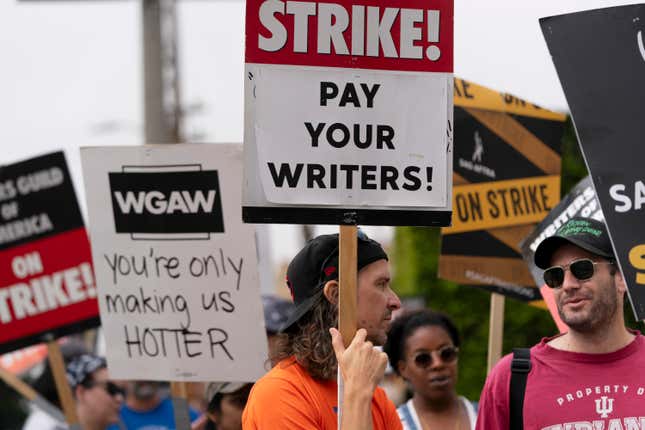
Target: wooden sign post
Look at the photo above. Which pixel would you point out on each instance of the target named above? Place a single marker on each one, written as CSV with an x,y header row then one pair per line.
x,y
347,296
62,386
347,256
496,329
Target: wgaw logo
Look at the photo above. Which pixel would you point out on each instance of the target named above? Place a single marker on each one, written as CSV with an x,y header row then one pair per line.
x,y
604,406
158,203
166,202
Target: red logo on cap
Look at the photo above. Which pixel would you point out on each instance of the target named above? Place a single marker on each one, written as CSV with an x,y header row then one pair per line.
x,y
329,270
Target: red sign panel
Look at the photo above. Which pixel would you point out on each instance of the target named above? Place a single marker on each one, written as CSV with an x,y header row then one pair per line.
x,y
46,276
407,35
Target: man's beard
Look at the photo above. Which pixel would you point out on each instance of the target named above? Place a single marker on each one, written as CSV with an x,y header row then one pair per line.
x,y
604,305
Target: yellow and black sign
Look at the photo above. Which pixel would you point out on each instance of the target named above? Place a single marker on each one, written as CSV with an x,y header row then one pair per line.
x,y
506,178
502,203
469,95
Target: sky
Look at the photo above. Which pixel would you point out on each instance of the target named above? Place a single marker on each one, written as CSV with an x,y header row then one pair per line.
x,y
71,72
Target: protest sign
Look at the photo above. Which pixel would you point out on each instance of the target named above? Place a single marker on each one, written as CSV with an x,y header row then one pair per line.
x,y
507,177
46,279
580,202
600,59
348,112
176,268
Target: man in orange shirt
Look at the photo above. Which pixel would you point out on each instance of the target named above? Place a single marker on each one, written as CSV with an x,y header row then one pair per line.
x,y
300,392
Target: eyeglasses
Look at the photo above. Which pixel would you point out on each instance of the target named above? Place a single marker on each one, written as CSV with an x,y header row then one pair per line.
x,y
582,269
110,387
447,355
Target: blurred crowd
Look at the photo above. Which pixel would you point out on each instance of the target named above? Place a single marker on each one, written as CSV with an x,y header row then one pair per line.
x,y
400,370
103,403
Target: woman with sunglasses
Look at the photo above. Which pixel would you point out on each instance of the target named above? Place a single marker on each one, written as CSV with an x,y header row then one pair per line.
x,y
423,347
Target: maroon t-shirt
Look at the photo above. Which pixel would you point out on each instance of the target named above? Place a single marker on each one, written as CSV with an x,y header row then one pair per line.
x,y
571,391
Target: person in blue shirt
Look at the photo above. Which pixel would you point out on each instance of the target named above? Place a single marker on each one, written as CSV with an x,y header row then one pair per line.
x,y
148,407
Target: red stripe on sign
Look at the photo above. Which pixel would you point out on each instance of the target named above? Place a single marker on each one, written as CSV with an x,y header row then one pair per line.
x,y
46,284
405,35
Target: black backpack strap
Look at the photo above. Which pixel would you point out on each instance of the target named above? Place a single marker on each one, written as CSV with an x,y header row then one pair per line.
x,y
520,368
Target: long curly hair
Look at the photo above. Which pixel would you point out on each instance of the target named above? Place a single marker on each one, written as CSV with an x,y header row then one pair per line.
x,y
309,341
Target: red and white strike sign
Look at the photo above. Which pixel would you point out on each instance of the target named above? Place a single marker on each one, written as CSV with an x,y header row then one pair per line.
x,y
46,276
349,104
352,34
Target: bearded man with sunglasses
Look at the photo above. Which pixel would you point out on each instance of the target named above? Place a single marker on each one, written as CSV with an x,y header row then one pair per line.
x,y
591,376
300,392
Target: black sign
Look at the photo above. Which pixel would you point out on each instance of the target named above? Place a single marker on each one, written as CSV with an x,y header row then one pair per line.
x,y
166,202
37,200
600,59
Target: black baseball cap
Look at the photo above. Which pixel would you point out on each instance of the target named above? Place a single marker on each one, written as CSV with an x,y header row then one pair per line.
x,y
317,263
586,233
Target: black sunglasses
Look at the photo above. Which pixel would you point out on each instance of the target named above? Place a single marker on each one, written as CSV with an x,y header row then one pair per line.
x,y
582,269
447,354
110,387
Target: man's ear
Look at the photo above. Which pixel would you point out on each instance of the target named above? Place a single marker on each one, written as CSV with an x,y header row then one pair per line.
x,y
330,290
621,287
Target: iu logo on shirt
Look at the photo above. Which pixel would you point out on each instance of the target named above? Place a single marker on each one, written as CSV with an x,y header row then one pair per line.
x,y
604,406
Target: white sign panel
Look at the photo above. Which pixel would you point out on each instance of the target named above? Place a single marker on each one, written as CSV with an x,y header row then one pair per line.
x,y
176,268
330,137
348,110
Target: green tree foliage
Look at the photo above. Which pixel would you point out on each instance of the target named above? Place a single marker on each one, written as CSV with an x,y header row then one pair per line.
x,y
416,255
